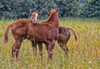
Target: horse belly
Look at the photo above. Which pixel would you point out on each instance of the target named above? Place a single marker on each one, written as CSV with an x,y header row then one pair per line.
x,y
40,38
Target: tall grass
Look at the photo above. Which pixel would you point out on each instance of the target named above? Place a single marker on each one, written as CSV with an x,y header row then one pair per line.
x,y
85,54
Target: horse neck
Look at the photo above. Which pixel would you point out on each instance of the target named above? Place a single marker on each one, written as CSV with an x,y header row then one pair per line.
x,y
54,20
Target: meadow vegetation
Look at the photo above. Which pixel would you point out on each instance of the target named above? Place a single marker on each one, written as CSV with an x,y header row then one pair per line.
x,y
85,54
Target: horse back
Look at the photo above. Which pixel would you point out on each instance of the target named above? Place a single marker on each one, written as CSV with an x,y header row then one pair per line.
x,y
20,27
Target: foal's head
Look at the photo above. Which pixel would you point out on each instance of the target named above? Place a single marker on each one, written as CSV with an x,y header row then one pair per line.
x,y
52,14
52,11
34,16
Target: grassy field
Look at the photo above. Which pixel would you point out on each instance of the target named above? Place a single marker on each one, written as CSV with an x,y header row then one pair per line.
x,y
85,54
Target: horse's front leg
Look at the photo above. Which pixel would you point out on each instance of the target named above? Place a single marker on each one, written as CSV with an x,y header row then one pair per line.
x,y
34,47
64,47
50,48
40,49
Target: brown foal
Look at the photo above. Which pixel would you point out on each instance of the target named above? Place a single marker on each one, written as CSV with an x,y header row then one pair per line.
x,y
35,32
63,38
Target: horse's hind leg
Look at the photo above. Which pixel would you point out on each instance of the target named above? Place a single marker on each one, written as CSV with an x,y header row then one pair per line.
x,y
34,46
64,47
16,48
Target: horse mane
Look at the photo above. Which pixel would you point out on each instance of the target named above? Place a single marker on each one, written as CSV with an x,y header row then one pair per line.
x,y
53,19
51,16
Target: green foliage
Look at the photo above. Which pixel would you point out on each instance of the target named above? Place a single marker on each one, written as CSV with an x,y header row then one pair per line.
x,y
68,8
20,8
91,9
12,9
15,9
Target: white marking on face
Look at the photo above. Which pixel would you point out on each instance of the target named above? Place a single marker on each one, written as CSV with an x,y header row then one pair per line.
x,y
36,14
34,20
36,17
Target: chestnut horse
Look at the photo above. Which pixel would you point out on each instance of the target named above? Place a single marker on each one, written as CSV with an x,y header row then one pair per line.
x,y
64,36
41,32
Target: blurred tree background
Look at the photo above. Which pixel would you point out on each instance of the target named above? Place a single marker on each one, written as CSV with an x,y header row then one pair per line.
x,y
15,9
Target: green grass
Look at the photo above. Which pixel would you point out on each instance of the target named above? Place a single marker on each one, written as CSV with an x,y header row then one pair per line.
x,y
85,54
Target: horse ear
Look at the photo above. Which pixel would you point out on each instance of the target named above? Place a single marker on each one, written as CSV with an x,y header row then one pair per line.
x,y
48,11
39,13
31,11
57,10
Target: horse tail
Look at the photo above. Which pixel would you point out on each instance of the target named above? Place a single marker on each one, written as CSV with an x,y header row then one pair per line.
x,y
74,33
6,38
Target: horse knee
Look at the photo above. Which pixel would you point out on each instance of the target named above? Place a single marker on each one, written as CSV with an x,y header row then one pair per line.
x,y
13,49
66,50
50,55
50,52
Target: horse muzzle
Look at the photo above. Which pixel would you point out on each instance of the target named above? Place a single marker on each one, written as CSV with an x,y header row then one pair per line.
x,y
34,22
